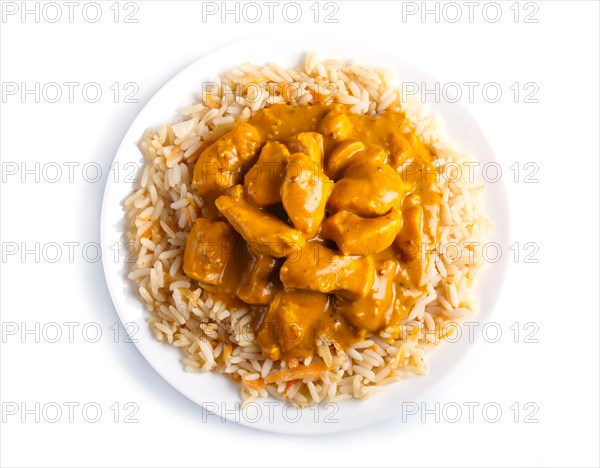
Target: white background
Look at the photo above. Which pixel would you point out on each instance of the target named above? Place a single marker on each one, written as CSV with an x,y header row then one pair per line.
x,y
558,375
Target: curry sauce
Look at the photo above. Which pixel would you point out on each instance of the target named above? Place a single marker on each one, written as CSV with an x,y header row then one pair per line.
x,y
317,219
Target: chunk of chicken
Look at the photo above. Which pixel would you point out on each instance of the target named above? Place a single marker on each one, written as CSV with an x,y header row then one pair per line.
x,y
362,236
368,189
410,237
262,183
340,157
338,125
372,312
318,268
220,166
304,193
352,152
264,232
288,326
208,249
408,148
309,143
258,285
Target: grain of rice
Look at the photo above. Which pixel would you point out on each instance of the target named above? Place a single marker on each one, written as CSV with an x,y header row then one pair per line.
x,y
367,373
313,392
354,354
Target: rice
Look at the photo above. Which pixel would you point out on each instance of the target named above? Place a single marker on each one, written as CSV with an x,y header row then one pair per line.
x,y
162,209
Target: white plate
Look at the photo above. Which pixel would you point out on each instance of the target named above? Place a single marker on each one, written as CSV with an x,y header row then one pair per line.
x,y
214,391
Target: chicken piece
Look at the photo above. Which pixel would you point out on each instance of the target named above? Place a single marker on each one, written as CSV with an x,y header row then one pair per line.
x,y
264,232
262,183
368,189
408,148
236,192
318,268
372,312
288,326
340,157
208,249
220,166
309,143
304,193
337,124
258,285
401,149
362,236
410,237
351,152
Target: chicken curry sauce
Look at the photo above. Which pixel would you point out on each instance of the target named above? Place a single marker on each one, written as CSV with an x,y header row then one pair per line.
x,y
311,218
